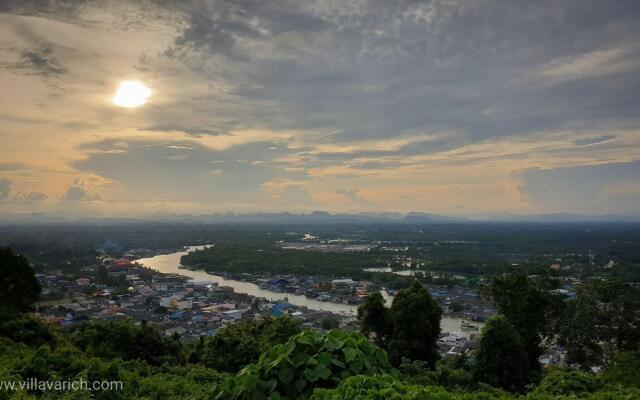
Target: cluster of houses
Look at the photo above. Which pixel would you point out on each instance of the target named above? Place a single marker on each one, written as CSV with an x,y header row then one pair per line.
x,y
346,291
188,309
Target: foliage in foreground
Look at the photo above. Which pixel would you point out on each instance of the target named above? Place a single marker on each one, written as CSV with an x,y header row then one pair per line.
x,y
390,387
307,361
18,363
239,344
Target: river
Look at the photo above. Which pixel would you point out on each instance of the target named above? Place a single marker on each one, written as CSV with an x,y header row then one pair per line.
x,y
169,263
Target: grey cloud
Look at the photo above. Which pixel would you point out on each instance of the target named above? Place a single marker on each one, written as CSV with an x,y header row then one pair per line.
x,y
62,9
296,196
158,168
384,69
5,188
354,196
78,193
417,147
597,188
375,69
12,166
40,61
594,140
31,197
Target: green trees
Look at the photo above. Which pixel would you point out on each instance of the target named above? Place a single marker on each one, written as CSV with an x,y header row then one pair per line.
x,y
239,344
557,382
19,288
623,369
501,359
125,340
409,329
375,319
415,317
330,323
306,361
27,329
529,307
605,315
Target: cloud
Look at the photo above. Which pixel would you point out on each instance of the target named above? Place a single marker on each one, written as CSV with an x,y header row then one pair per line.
x,y
5,188
295,196
31,197
594,140
177,157
161,169
586,189
77,193
594,63
382,70
40,61
441,98
354,196
12,166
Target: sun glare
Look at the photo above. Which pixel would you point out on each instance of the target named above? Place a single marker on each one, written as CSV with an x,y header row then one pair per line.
x,y
131,94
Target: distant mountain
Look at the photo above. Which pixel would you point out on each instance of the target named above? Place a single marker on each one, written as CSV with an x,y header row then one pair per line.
x,y
560,217
322,217
416,217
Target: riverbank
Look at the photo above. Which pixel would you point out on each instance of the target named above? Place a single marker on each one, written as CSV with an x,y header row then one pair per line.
x,y
170,263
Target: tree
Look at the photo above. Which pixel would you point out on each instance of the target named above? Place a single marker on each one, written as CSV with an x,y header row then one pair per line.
x,y
501,359
375,319
415,317
329,323
604,316
624,369
19,288
241,343
124,339
529,307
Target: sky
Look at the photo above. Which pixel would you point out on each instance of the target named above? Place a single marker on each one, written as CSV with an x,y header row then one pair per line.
x,y
451,107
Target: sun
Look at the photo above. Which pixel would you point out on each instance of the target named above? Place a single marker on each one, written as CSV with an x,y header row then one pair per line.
x,y
131,94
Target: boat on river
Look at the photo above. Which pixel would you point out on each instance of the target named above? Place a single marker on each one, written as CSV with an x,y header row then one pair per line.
x,y
467,324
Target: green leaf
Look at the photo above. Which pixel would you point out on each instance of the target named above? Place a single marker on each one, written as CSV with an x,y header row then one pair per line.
x,y
285,375
324,358
257,395
323,372
339,363
356,366
300,384
311,375
350,354
274,396
303,339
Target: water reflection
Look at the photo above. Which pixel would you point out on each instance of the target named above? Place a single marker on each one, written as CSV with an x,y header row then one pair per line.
x,y
169,263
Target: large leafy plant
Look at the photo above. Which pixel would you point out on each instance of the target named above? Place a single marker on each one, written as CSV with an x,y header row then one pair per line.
x,y
307,361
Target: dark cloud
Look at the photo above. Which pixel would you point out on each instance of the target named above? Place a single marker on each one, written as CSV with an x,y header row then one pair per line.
x,y
40,61
5,188
49,8
594,140
76,193
380,69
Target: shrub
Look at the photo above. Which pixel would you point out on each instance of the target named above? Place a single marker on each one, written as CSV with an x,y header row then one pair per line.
x,y
568,382
307,361
390,387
